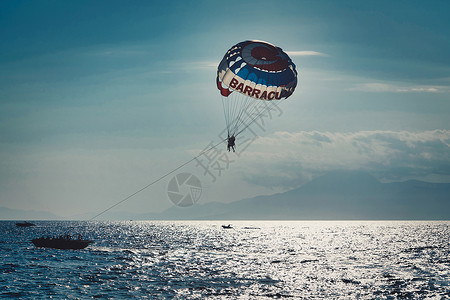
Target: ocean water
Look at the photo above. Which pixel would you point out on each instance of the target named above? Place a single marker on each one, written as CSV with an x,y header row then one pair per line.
x,y
254,260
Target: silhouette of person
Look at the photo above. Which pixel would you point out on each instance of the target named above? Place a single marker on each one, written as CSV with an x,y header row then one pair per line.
x,y
231,143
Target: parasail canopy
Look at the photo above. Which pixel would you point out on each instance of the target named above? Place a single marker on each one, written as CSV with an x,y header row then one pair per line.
x,y
249,72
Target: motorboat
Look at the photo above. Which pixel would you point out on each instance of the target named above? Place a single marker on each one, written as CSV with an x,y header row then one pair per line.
x,y
25,224
62,242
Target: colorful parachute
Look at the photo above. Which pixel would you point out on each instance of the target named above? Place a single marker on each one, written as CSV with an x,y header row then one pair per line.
x,y
249,72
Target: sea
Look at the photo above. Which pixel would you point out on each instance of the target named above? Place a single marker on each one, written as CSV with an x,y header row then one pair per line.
x,y
251,260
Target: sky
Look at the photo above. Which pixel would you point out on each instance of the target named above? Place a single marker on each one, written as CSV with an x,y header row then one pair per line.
x,y
100,98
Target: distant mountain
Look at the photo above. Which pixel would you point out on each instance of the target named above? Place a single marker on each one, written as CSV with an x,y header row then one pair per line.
x,y
344,195
19,214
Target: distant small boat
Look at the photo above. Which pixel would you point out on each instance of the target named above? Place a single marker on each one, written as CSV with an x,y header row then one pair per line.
x,y
62,242
25,224
227,226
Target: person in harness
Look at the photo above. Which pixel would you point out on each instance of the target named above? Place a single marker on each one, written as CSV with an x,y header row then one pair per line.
x,y
231,143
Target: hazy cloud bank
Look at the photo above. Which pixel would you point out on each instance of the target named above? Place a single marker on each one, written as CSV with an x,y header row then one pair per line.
x,y
287,159
391,88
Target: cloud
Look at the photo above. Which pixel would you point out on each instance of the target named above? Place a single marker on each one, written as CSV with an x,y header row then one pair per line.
x,y
305,53
119,52
207,65
391,88
287,159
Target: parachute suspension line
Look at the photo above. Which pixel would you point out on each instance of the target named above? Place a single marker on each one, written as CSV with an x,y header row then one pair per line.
x,y
236,105
231,111
232,108
241,105
256,117
252,107
261,107
245,105
248,109
157,180
255,113
225,113
232,105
